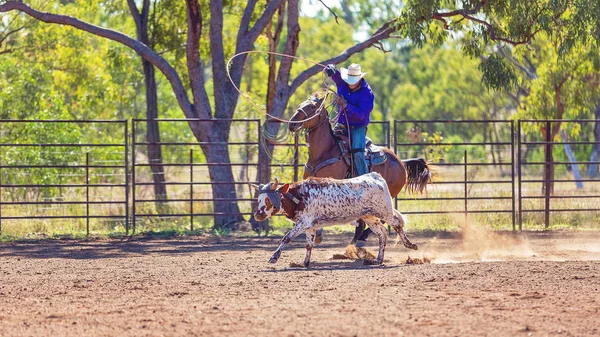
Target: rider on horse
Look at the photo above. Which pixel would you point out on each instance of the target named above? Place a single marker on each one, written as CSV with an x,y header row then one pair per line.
x,y
356,103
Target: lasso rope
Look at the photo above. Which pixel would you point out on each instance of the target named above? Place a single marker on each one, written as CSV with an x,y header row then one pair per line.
x,y
281,139
252,103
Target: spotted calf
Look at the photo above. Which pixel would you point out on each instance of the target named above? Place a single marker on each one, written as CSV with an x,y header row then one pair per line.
x,y
320,202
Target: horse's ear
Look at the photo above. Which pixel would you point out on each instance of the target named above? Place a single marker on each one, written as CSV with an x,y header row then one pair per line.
x,y
284,188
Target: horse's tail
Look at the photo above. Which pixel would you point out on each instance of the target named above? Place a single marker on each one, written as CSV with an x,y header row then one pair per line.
x,y
418,174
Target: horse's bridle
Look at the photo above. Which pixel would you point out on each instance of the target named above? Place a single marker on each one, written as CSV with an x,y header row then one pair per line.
x,y
309,130
314,169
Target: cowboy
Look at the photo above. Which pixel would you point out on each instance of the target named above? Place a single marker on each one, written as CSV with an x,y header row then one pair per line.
x,y
355,105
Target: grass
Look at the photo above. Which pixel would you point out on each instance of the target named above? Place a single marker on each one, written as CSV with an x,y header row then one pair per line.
x,y
169,226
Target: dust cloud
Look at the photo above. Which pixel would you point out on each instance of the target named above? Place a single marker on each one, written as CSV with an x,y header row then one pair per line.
x,y
478,243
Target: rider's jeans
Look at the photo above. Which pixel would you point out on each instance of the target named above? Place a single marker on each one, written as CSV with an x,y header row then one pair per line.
x,y
358,138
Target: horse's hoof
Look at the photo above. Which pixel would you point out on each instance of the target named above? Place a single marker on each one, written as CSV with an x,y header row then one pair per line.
x,y
413,246
273,259
319,236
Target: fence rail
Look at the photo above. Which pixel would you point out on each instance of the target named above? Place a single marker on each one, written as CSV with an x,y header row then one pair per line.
x,y
18,176
496,171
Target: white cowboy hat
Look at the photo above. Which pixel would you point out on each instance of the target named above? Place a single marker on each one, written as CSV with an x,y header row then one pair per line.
x,y
353,74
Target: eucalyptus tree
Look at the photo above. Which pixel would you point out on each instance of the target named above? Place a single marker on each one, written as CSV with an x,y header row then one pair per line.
x,y
482,23
196,105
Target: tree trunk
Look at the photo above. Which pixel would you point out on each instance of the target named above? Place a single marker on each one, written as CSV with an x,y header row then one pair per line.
x,y
152,133
548,184
593,168
153,136
549,160
227,211
572,160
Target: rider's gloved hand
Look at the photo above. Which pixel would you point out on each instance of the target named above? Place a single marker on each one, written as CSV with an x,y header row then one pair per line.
x,y
330,70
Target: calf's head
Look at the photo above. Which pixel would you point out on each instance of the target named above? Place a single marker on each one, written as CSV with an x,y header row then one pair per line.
x,y
269,200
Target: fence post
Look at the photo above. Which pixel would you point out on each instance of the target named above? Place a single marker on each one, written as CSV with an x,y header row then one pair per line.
x,y
0,193
296,156
133,210
547,166
396,152
512,170
260,149
519,165
126,178
87,194
191,190
466,188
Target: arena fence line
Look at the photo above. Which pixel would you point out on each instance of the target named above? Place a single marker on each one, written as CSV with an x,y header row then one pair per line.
x,y
484,167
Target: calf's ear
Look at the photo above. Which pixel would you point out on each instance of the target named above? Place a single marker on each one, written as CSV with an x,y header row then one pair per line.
x,y
255,186
284,188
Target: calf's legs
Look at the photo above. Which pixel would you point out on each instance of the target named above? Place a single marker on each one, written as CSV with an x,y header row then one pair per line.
x,y
310,241
378,228
398,226
287,238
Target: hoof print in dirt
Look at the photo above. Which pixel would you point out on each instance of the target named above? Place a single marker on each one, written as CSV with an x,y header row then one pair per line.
x,y
340,257
371,262
297,265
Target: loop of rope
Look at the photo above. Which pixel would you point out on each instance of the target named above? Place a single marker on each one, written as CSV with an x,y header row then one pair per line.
x,y
281,139
252,103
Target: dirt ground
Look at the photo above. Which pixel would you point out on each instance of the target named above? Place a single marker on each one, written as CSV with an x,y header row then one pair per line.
x,y
477,284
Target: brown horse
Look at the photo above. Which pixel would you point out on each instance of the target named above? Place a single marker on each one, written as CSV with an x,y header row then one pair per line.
x,y
325,156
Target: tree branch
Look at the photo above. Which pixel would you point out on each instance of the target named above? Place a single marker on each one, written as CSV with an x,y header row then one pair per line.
x,y
263,20
6,51
194,62
5,37
222,102
381,34
441,19
246,17
523,68
137,46
379,45
331,11
495,37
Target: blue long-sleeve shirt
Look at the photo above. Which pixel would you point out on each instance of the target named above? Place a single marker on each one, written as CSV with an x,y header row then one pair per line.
x,y
359,102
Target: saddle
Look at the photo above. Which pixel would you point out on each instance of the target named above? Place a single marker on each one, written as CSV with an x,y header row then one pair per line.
x,y
373,154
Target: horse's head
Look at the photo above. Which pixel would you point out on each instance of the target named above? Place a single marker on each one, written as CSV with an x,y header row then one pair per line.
x,y
305,114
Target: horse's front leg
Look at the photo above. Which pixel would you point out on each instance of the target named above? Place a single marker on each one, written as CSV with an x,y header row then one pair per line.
x,y
358,232
287,238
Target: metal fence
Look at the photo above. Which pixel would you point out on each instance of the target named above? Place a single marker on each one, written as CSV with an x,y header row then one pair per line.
x,y
462,183
569,192
60,178
484,168
187,171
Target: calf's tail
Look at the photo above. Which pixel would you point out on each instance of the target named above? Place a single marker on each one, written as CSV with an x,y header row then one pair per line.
x,y
399,222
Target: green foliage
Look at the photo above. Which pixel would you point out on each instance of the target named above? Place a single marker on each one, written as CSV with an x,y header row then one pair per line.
x,y
497,73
